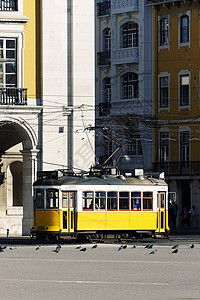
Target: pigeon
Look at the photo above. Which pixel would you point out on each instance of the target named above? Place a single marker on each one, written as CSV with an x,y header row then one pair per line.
x,y
1,250
94,247
57,249
149,246
11,248
59,246
78,247
124,246
153,252
175,246
120,248
175,251
4,247
192,246
134,246
38,248
83,249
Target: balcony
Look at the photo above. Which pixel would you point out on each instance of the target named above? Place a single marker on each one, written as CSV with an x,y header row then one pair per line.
x,y
124,6
166,3
104,109
125,55
13,96
103,9
8,5
103,58
189,168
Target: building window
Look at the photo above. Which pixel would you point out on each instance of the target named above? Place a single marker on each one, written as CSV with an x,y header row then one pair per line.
x,y
164,147
164,27
130,35
134,146
135,200
184,146
8,5
130,86
184,29
184,90
39,200
104,106
108,40
164,88
8,73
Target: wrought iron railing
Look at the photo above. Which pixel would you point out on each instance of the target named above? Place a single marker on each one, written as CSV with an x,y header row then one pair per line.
x,y
8,5
103,58
154,2
103,9
13,96
188,168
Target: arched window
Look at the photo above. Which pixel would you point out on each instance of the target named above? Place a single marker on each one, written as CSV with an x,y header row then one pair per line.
x,y
104,106
184,29
107,39
130,35
130,85
164,32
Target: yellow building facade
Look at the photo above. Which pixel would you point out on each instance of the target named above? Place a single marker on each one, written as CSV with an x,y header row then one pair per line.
x,y
176,93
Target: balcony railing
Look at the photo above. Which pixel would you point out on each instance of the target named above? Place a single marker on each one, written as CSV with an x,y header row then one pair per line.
x,y
103,9
8,5
103,58
188,168
123,6
104,108
158,2
13,96
125,55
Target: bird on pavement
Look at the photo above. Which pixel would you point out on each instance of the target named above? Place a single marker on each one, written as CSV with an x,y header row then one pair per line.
x,y
1,250
4,247
124,246
79,247
38,248
134,246
192,246
149,246
83,249
95,246
120,248
153,252
11,248
175,251
57,249
175,246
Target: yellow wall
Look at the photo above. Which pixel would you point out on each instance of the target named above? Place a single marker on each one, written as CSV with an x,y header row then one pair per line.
x,y
173,60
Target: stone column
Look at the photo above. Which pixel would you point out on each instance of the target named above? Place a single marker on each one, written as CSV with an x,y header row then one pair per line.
x,y
29,176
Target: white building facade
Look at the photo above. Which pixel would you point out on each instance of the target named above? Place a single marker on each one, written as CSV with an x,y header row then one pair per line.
x,y
124,81
46,98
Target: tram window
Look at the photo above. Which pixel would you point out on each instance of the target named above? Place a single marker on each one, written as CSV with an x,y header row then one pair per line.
x,y
52,198
88,200
100,200
111,200
135,200
124,200
65,200
148,201
39,201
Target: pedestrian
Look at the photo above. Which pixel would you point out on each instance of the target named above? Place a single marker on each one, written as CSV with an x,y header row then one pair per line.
x,y
185,217
192,213
174,215
171,214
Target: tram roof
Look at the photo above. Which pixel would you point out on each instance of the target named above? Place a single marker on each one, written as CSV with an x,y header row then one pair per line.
x,y
103,180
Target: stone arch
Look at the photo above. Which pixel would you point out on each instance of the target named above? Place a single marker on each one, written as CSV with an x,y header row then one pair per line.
x,y
18,152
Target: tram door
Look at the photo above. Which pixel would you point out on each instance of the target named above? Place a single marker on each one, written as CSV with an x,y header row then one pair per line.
x,y
67,215
161,208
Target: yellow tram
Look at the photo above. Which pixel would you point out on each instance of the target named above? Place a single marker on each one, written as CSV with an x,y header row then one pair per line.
x,y
86,205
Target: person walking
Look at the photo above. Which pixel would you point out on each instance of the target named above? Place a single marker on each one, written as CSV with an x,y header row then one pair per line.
x,y
192,213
